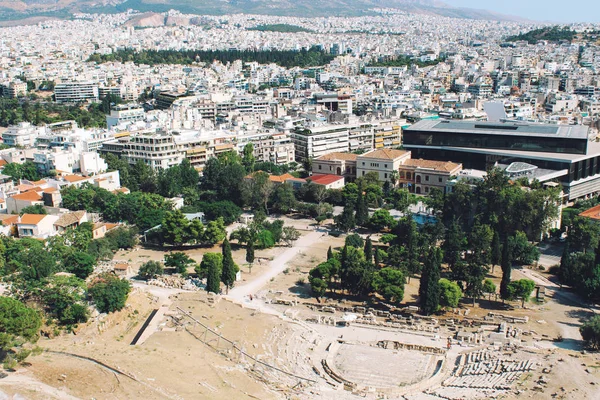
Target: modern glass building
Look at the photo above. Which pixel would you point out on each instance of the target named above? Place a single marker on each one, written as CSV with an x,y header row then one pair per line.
x,y
564,150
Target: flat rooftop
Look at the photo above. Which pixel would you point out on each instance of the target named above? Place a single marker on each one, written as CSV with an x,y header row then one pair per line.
x,y
502,128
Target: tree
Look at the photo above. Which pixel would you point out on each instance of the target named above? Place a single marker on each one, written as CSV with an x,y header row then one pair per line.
x,y
318,287
521,289
368,250
489,287
225,209
389,283
496,251
264,239
81,264
175,228
355,274
506,270
258,190
290,235
590,332
215,232
584,234
178,260
250,255
454,247
329,253
480,241
37,209
17,321
362,212
284,199
62,297
429,287
381,219
230,269
346,221
150,270
450,293
523,252
248,158
354,240
109,292
212,264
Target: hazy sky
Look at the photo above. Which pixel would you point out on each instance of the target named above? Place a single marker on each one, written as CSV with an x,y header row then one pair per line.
x,y
539,10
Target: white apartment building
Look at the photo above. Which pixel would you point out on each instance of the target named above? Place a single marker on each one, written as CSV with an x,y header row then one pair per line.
x,y
23,135
74,92
124,113
315,142
277,148
158,150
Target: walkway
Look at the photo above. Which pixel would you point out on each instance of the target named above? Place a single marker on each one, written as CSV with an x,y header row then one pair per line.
x,y
277,266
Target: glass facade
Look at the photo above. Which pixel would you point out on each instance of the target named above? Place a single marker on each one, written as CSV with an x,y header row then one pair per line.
x,y
496,141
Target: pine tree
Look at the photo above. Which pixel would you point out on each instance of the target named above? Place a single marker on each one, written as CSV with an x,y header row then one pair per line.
x,y
506,270
429,288
250,254
230,269
362,212
369,250
329,253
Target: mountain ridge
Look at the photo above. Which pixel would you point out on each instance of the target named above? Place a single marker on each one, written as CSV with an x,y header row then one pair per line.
x,y
296,8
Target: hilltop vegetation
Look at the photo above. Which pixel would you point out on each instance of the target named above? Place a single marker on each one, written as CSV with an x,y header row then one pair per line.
x,y
401,61
552,34
285,58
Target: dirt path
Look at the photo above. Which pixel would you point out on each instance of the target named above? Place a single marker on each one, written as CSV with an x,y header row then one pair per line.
x,y
28,383
277,266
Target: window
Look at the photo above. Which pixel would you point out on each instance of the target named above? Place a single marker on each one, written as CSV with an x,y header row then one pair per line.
x,y
363,173
408,175
385,175
426,178
402,174
319,167
330,167
385,165
426,189
440,179
363,163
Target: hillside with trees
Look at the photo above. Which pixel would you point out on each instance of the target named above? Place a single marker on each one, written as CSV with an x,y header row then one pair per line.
x,y
286,58
554,34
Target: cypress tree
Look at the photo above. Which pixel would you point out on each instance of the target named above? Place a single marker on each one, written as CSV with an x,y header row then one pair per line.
x,y
377,260
329,253
230,269
250,254
565,264
362,212
496,256
429,288
369,250
506,265
212,263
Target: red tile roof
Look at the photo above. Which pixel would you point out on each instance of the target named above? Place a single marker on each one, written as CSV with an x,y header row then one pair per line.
x,y
324,179
592,213
31,219
32,195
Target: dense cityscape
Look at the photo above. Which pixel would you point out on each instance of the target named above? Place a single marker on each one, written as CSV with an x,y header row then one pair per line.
x,y
399,205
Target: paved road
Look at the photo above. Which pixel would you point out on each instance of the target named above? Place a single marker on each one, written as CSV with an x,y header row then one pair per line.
x,y
550,254
277,266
